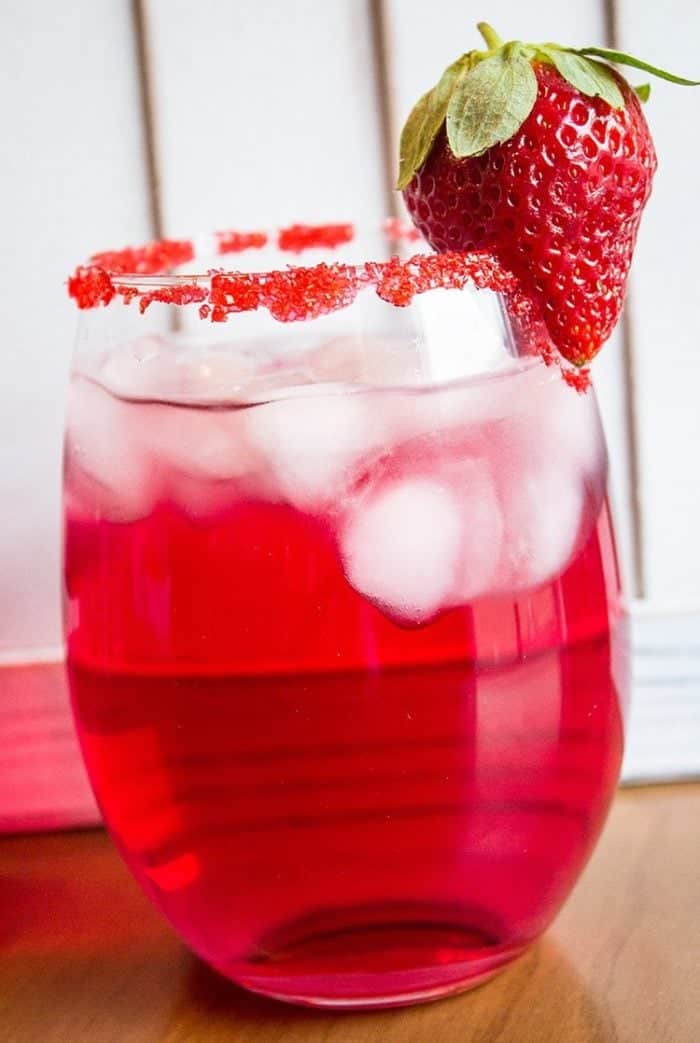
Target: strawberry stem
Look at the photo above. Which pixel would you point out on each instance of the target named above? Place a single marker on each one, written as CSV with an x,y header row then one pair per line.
x,y
491,37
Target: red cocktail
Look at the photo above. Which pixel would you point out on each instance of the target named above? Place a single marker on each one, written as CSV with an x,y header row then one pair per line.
x,y
344,642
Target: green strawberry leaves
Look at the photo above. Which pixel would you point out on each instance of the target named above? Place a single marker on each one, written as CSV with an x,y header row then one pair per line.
x,y
486,96
620,58
491,102
424,122
589,77
643,91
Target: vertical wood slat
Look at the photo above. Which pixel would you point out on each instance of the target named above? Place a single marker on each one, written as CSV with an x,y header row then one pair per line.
x,y
72,180
150,147
381,56
664,295
626,404
629,390
418,50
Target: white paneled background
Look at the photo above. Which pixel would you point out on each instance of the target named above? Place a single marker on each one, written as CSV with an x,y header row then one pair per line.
x,y
121,120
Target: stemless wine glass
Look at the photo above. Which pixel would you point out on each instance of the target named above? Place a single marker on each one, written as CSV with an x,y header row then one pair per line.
x,y
342,613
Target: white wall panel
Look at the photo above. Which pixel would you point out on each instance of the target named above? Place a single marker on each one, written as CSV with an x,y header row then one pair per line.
x,y
71,181
264,113
666,293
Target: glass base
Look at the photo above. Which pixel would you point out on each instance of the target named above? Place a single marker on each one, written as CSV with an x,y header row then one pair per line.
x,y
374,965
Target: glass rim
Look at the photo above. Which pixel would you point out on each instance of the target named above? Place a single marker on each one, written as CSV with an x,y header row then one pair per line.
x,y
290,292
296,292
153,262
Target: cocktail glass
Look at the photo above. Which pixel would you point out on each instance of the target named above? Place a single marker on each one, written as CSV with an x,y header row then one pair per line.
x,y
343,617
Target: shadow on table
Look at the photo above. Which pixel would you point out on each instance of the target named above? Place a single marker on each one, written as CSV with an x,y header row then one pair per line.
x,y
80,946
540,998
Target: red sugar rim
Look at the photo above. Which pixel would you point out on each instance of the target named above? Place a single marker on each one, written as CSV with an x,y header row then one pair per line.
x,y
299,293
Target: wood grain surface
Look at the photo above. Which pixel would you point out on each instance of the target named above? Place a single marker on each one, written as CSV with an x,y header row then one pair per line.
x,y
84,958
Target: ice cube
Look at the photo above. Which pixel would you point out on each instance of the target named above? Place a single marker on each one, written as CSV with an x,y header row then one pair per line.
x,y
543,510
109,469
313,437
481,521
178,370
568,423
200,442
460,404
401,548
370,360
549,420
135,369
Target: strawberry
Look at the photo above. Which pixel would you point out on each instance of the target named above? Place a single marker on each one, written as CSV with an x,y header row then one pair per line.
x,y
542,156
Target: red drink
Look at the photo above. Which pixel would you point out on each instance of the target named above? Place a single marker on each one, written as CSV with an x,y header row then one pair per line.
x,y
346,671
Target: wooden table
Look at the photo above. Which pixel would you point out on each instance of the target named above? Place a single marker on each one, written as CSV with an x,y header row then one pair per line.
x,y
84,958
